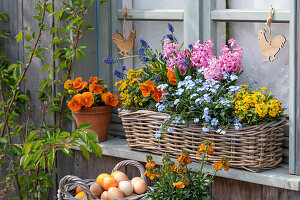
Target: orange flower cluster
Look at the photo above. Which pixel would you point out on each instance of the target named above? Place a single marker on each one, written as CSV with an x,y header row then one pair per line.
x,y
86,93
149,170
181,184
148,88
222,164
206,148
110,99
85,99
171,77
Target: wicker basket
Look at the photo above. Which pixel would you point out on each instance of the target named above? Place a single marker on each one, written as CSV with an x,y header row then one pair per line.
x,y
254,148
68,184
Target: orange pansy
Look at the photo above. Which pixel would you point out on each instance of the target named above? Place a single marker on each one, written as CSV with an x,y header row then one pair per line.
x,y
87,99
110,99
171,77
96,88
157,95
83,85
75,104
151,85
68,84
94,80
77,83
145,90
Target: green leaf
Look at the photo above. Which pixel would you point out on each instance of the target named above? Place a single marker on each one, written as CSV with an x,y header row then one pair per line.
x,y
19,37
59,14
84,126
66,151
45,68
24,97
85,152
49,8
96,149
179,76
3,140
42,162
92,135
82,53
51,157
26,148
76,20
27,160
36,156
11,67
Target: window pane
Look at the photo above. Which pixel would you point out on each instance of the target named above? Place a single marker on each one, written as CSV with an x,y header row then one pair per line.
x,y
259,4
158,4
273,75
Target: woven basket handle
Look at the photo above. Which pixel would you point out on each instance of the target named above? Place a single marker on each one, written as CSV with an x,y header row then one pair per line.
x,y
73,181
132,163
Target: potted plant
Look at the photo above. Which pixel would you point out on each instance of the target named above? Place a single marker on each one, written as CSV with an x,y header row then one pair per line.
x,y
91,103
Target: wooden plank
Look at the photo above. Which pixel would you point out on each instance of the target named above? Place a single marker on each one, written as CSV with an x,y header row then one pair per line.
x,y
154,14
192,21
87,67
243,15
105,41
209,26
293,90
272,193
225,189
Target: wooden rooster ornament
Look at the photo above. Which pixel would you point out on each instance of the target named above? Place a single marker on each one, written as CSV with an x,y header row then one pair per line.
x,y
123,44
271,48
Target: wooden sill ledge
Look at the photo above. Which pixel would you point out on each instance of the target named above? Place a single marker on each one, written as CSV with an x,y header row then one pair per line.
x,y
279,177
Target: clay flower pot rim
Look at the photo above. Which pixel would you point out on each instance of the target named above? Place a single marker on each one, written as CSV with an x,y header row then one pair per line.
x,y
94,110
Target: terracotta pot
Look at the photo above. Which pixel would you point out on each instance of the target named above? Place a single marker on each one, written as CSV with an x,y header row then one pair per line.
x,y
98,116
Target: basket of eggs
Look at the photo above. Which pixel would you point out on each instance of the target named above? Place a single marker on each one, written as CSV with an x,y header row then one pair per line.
x,y
105,187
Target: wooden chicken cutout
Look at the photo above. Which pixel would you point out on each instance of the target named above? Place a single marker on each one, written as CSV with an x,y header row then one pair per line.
x,y
123,44
271,48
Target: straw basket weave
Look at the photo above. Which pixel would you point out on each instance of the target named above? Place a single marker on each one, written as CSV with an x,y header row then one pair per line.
x,y
254,148
68,184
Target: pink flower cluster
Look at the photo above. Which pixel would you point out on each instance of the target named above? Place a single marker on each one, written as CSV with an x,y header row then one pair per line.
x,y
202,53
213,67
202,56
174,56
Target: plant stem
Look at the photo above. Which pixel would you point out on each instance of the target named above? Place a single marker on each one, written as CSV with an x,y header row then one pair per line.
x,y
23,73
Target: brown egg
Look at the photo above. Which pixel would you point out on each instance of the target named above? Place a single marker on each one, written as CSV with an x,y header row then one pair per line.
x,y
114,193
135,179
78,189
120,176
96,189
126,187
140,186
104,196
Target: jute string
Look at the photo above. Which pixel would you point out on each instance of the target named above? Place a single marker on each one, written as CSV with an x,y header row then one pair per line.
x,y
269,21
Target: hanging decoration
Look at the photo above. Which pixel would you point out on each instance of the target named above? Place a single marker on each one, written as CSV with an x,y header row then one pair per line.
x,y
123,44
270,48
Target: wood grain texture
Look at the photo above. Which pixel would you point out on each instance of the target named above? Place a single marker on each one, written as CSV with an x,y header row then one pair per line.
x,y
228,189
297,99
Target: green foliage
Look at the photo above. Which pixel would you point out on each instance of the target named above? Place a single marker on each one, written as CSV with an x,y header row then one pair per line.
x,y
31,162
180,182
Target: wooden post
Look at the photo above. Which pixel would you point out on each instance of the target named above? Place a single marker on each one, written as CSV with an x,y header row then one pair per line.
x,y
192,21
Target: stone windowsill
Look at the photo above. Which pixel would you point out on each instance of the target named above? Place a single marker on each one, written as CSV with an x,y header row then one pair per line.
x,y
279,177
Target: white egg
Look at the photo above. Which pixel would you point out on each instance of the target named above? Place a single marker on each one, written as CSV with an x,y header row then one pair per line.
x,y
126,187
